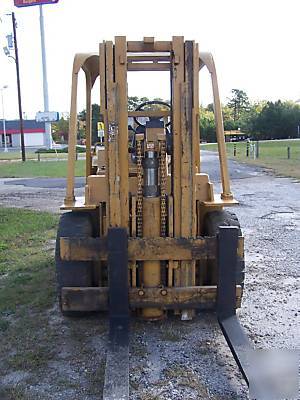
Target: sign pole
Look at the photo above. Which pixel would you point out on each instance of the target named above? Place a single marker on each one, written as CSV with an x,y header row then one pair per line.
x,y
48,135
19,87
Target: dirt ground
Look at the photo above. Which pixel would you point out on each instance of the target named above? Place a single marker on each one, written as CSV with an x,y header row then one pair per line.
x,y
172,359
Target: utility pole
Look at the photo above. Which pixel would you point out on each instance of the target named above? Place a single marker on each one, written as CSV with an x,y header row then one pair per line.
x,y
48,135
3,120
19,87
40,3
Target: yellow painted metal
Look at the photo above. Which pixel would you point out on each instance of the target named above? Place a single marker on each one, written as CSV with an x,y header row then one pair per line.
x,y
88,131
177,75
195,109
188,164
148,66
78,204
151,269
207,59
155,47
120,61
219,201
114,181
141,249
96,298
149,113
177,83
69,199
112,133
89,63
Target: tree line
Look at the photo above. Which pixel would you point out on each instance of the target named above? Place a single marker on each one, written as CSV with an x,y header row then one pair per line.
x,y
259,120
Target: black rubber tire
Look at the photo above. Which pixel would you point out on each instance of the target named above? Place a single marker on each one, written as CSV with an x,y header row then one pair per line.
x,y
73,273
212,221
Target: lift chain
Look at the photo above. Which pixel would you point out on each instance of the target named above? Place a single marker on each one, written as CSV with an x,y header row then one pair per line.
x,y
163,188
139,212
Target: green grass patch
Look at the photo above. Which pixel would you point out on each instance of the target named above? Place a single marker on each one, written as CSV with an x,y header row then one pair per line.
x,y
186,377
65,149
4,325
53,169
95,379
26,264
31,358
272,154
27,290
33,155
28,344
18,392
169,333
16,155
37,346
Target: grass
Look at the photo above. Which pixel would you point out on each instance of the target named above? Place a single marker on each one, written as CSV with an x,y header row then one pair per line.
x,y
27,287
53,169
30,155
186,377
272,154
31,357
23,236
96,379
16,155
139,350
33,335
26,267
14,393
169,333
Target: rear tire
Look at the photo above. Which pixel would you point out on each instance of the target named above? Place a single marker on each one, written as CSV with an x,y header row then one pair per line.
x,y
212,222
73,273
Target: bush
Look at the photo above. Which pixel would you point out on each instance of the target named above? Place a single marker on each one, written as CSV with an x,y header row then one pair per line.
x,y
79,149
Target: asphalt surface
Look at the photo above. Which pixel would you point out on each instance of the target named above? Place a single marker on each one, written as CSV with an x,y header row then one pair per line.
x,y
47,194
171,359
210,165
45,183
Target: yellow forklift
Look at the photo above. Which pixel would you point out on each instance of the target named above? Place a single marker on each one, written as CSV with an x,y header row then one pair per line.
x,y
150,237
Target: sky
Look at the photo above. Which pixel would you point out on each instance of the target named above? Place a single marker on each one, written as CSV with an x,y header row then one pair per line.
x,y
255,44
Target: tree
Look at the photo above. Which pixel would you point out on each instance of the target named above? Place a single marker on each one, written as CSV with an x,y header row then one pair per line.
x,y
228,119
135,101
60,130
239,103
96,117
248,120
278,120
207,125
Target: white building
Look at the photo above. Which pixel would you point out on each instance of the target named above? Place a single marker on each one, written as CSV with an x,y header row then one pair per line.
x,y
34,133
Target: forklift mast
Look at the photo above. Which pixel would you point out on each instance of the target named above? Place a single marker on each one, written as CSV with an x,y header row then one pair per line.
x,y
150,235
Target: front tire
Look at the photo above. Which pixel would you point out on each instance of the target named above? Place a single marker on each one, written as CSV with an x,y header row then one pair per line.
x,y
212,222
73,273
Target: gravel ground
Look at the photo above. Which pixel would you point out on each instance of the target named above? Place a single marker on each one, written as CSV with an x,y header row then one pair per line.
x,y
42,194
172,359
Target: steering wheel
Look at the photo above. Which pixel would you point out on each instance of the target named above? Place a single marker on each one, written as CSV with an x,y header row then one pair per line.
x,y
150,103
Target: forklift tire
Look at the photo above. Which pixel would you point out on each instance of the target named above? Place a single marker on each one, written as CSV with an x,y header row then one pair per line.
x,y
73,273
212,221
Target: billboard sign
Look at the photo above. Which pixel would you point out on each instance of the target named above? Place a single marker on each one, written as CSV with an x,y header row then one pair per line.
x,y
27,3
47,116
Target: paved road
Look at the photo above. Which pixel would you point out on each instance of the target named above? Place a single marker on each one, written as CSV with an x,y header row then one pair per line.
x,y
45,183
48,193
210,165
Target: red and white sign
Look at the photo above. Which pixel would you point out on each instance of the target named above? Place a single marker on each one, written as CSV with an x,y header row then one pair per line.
x,y
27,3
